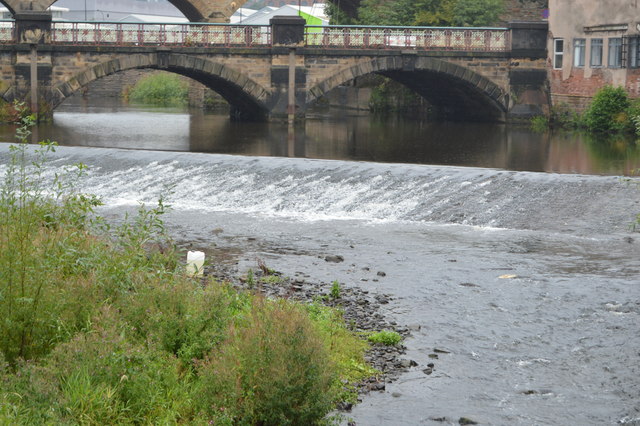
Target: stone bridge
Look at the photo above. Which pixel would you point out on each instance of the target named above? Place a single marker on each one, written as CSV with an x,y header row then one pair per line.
x,y
279,70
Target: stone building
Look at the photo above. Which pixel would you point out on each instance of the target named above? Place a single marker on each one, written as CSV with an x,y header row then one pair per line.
x,y
593,43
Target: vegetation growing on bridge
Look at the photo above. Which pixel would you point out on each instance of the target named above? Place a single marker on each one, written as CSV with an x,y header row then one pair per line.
x,y
161,88
100,325
459,13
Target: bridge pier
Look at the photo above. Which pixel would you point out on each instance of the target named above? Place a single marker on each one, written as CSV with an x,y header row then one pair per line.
x,y
33,67
288,73
528,81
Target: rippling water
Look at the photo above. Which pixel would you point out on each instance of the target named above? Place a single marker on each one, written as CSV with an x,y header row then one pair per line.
x,y
340,135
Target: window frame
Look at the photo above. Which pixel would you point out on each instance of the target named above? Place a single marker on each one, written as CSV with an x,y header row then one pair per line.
x,y
614,52
633,54
593,47
558,54
579,52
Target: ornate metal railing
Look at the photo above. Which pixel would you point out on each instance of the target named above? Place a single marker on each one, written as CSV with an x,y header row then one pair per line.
x,y
330,37
127,34
422,38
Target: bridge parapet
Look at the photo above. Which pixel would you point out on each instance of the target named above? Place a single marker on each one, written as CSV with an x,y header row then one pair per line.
x,y
332,37
419,38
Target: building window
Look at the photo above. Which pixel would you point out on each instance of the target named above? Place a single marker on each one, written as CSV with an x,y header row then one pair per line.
x,y
615,52
634,52
596,53
558,52
579,49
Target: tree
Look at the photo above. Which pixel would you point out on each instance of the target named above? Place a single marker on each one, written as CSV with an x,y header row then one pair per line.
x,y
434,13
477,13
385,12
463,13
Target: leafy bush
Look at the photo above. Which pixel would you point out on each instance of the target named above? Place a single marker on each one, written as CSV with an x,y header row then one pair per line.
x,y
385,337
273,371
607,111
160,89
539,123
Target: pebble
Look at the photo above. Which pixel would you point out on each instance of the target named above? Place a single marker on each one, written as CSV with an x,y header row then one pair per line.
x,y
334,259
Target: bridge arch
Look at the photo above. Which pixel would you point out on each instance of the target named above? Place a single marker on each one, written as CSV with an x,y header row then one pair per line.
x,y
456,91
247,98
193,10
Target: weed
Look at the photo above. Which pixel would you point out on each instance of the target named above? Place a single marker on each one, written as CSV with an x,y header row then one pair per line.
x,y
385,337
540,124
250,279
274,370
335,290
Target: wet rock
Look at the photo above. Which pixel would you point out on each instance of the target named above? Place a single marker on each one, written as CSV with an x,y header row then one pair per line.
x,y
433,356
438,419
382,299
381,274
396,394
344,406
469,285
405,363
427,371
440,351
529,392
378,386
431,365
466,421
334,259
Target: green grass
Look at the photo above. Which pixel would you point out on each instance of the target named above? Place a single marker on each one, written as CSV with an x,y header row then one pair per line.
x,y
101,324
160,89
385,337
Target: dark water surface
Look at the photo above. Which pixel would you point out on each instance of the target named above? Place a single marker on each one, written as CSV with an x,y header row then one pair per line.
x,y
339,135
529,281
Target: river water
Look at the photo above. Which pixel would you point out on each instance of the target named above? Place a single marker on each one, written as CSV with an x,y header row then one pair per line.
x,y
521,269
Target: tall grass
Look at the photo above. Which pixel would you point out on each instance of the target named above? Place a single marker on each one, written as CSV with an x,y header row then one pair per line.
x,y
100,324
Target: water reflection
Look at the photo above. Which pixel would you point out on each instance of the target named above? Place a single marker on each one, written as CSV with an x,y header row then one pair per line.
x,y
338,135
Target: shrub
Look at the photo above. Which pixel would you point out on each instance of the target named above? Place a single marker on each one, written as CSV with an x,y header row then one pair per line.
x,y
274,370
633,112
539,123
607,111
385,337
160,89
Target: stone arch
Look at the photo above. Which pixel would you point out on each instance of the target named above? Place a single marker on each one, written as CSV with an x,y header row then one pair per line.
x,y
247,98
456,89
193,10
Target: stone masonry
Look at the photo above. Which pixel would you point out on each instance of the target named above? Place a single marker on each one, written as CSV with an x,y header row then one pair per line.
x,y
480,85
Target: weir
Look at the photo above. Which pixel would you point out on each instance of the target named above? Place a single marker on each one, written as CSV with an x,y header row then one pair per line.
x,y
481,74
